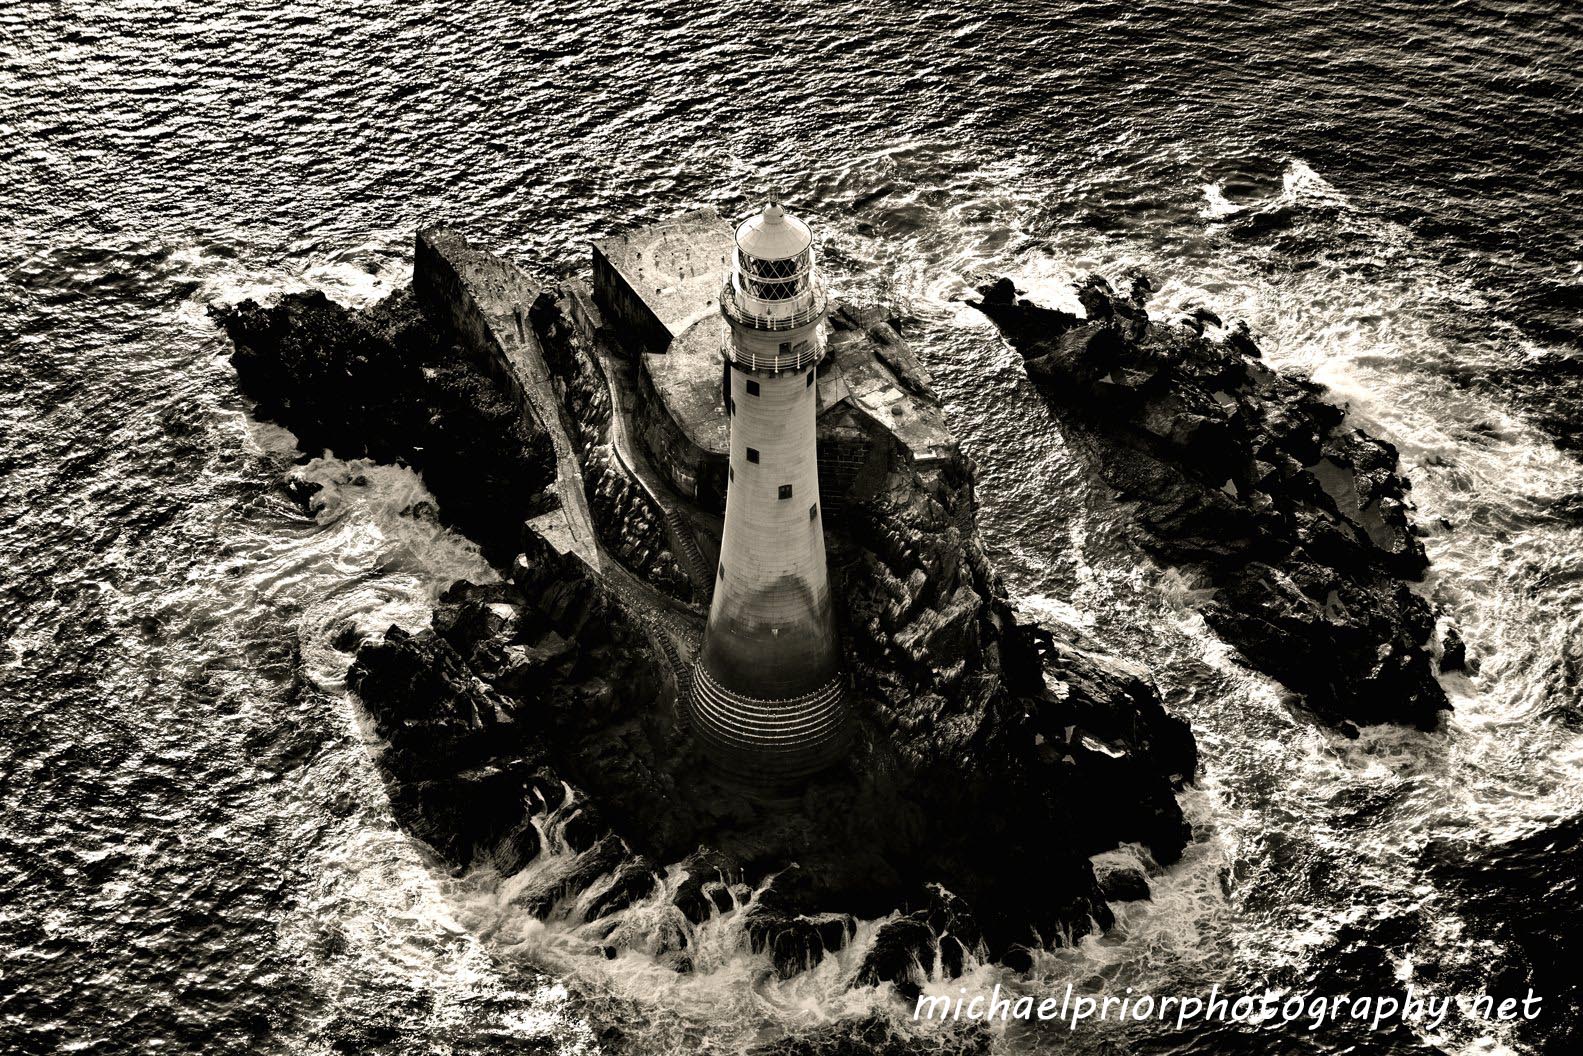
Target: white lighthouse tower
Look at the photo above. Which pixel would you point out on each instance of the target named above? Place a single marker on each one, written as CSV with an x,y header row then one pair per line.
x,y
767,701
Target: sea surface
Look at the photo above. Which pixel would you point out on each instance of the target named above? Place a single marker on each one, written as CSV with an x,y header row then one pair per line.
x,y
196,854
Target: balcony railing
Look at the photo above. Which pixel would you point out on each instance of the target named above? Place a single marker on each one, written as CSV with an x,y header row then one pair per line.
x,y
776,361
732,308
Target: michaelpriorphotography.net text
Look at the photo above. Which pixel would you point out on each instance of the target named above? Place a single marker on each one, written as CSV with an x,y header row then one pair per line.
x,y
1270,1010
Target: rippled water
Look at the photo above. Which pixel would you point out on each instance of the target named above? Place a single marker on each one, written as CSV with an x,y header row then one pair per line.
x,y
197,855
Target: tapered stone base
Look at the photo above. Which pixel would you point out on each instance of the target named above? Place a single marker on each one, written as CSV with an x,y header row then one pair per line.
x,y
769,742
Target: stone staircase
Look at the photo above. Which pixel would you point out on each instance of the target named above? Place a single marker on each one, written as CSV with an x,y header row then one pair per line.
x,y
685,547
769,740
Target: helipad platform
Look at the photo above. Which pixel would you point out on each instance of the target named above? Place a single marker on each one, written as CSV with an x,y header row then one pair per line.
x,y
660,280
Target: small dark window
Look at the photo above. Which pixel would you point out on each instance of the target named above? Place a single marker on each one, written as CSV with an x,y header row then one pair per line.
x,y
785,348
732,472
722,570
813,511
753,388
810,379
753,454
785,491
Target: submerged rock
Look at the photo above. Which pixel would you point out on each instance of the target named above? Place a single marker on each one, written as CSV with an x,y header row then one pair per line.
x,y
1453,651
1548,388
1526,894
1121,879
1300,522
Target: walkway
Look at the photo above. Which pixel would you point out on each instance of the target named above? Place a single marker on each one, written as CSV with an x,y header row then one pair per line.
x,y
488,299
623,411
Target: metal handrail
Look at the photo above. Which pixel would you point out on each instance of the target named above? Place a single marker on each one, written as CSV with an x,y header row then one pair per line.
x,y
775,362
801,317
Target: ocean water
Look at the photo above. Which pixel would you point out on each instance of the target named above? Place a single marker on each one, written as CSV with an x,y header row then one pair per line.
x,y
195,850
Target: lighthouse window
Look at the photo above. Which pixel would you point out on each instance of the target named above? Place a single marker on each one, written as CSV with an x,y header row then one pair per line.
x,y
753,388
732,472
810,379
813,511
785,348
753,454
722,570
785,491
775,280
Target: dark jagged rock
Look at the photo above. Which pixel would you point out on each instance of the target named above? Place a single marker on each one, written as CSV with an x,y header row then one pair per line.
x,y
1453,651
1018,959
707,888
994,757
941,937
960,937
797,942
388,383
445,731
903,953
962,696
1300,522
1526,894
518,848
592,865
632,882
1122,881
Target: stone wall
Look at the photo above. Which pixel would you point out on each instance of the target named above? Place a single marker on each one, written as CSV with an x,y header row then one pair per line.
x,y
695,473
640,330
481,295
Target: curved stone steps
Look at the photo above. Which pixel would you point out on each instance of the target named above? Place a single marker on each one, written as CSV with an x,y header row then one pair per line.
x,y
769,740
797,713
772,728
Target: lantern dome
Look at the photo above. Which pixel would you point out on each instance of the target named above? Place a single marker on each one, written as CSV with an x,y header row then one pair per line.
x,y
773,234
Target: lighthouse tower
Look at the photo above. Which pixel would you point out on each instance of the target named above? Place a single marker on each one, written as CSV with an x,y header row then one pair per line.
x,y
767,699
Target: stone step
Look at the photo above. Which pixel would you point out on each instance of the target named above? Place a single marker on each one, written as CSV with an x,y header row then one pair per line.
x,y
689,552
802,720
720,713
823,698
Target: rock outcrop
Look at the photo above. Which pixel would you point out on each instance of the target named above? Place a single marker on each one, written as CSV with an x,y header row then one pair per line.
x,y
392,385
1014,734
1300,522
1526,894
536,721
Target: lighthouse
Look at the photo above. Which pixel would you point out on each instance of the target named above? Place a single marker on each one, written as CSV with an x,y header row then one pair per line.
x,y
767,698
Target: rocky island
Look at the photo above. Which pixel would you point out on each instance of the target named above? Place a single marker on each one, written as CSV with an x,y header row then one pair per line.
x,y
1300,522
576,433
